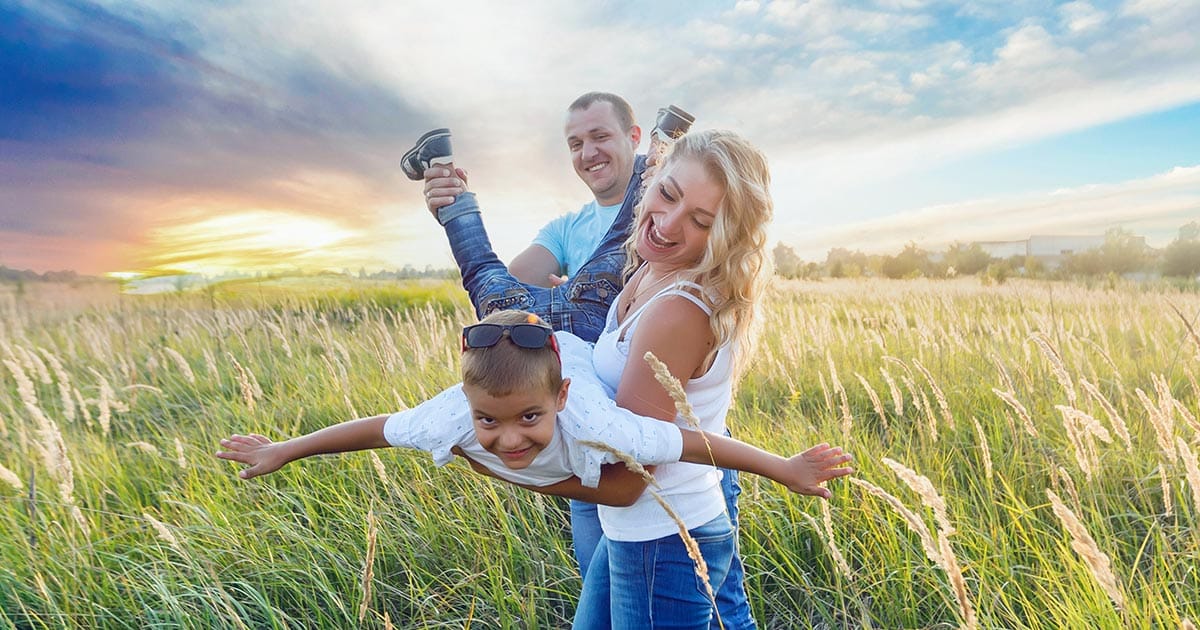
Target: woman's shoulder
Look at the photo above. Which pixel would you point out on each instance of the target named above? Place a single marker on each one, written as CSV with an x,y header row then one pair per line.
x,y
680,315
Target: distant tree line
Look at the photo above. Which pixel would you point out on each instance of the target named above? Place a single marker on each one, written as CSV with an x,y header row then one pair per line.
x,y
1121,253
8,274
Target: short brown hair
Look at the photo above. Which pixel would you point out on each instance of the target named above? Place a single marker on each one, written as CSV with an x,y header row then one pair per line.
x,y
506,367
620,106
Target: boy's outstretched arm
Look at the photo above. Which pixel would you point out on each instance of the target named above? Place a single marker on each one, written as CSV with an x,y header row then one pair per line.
x,y
262,456
803,473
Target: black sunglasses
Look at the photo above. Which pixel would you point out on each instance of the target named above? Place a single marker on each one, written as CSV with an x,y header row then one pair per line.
x,y
530,336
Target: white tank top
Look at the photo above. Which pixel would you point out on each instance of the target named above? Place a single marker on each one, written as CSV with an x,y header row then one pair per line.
x,y
692,490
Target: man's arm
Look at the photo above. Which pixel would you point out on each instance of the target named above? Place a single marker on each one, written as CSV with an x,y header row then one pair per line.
x,y
536,266
262,456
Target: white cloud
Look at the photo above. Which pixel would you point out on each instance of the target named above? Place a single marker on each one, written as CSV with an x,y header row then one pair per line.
x,y
1081,16
1155,206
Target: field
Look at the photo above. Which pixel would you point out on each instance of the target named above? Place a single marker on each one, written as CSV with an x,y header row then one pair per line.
x,y
1027,458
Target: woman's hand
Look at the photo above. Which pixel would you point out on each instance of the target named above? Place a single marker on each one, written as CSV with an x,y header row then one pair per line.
x,y
258,452
804,473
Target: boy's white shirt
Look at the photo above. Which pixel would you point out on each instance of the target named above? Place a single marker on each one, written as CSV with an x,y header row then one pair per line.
x,y
444,421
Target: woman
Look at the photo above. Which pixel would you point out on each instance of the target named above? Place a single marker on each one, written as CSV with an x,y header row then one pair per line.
x,y
698,249
699,266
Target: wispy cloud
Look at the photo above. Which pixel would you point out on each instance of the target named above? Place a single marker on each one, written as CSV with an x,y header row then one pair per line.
x,y
1155,206
121,119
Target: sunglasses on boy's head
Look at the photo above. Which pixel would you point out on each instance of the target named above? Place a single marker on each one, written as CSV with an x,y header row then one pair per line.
x,y
530,336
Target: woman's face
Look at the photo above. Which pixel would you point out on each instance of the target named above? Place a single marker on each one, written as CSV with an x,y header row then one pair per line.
x,y
680,207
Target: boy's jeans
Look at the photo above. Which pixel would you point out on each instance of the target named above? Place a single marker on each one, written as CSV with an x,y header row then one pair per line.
x,y
579,306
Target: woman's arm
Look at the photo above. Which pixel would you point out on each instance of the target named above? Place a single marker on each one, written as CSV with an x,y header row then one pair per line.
x,y
803,473
262,456
618,487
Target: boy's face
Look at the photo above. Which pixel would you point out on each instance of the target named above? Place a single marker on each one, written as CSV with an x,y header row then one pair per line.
x,y
518,426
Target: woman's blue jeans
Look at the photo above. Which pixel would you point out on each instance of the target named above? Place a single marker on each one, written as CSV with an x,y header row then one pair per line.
x,y
654,584
732,602
579,306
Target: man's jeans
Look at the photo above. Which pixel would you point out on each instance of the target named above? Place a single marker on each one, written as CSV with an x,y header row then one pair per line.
x,y
732,602
579,306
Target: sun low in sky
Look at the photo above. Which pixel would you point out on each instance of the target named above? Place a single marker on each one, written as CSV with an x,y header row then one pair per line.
x,y
200,137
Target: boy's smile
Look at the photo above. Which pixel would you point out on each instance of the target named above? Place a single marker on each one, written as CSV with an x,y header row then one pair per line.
x,y
515,427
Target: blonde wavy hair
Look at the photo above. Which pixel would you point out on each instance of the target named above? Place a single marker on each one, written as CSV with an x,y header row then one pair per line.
x,y
735,268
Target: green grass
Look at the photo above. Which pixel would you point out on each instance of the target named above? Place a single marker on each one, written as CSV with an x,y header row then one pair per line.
x,y
459,550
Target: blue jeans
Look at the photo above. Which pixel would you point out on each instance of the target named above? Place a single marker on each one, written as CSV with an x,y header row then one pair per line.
x,y
579,306
732,602
653,584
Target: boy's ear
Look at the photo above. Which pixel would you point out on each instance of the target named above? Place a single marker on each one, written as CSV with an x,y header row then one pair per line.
x,y
562,393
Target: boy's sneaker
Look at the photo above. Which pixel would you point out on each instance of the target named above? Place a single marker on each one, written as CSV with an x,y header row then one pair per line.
x,y
432,148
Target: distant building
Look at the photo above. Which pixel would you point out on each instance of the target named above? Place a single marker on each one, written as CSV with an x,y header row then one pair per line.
x,y
1050,250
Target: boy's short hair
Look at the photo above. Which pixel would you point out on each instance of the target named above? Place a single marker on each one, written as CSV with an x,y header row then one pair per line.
x,y
506,367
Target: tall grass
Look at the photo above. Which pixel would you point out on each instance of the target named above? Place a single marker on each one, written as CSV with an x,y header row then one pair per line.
x,y
977,410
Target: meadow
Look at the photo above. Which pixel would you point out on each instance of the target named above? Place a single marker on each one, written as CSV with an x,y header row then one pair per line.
x,y
1026,454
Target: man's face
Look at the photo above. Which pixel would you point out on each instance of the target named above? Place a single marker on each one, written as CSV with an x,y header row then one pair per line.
x,y
601,152
518,426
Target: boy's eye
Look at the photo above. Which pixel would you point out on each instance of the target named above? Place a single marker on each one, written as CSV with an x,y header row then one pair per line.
x,y
487,422
531,417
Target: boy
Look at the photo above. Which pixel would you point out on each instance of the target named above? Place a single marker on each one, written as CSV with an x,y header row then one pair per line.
x,y
512,418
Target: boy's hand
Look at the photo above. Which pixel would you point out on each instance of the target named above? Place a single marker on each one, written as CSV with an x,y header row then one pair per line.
x,y
807,471
442,186
259,453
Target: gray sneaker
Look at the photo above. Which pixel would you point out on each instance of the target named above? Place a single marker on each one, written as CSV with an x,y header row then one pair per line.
x,y
432,148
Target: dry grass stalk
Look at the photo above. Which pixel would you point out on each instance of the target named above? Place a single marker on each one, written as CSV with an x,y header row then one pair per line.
x,y
368,573
675,391
693,551
11,478
834,552
25,389
1003,371
1164,429
986,452
938,395
625,458
825,391
64,385
1083,544
875,402
924,488
1187,416
179,458
243,377
1114,418
164,533
1186,324
181,364
145,447
894,390
1063,480
33,364
210,364
275,328
82,406
1193,471
380,471
966,611
1168,503
1057,367
1022,413
914,522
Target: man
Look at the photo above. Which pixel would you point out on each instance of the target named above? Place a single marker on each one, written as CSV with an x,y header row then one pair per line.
x,y
572,271
585,246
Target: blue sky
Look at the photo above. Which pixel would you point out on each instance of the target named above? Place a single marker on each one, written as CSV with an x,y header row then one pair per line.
x,y
209,136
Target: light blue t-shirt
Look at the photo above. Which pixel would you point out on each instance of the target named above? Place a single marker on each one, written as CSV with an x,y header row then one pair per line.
x,y
574,237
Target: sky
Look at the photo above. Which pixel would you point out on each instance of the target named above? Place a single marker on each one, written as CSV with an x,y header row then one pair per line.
x,y
215,136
